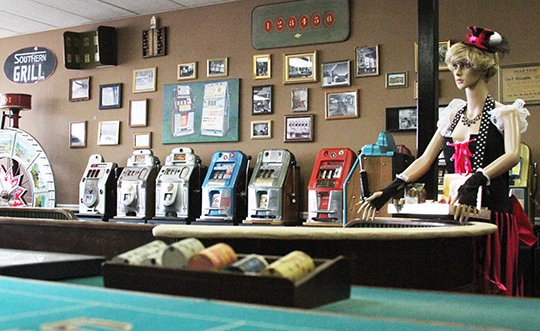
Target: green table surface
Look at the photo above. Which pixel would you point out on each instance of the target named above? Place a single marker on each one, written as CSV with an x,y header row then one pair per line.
x,y
34,305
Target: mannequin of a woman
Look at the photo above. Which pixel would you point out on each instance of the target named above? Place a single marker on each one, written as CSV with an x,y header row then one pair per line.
x,y
478,136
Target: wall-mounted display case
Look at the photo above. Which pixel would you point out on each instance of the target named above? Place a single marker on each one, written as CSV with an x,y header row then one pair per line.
x,y
91,49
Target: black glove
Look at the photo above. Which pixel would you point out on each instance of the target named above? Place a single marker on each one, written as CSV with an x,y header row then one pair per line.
x,y
388,192
469,190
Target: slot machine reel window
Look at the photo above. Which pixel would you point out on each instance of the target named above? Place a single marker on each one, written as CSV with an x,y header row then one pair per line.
x,y
222,174
267,175
329,173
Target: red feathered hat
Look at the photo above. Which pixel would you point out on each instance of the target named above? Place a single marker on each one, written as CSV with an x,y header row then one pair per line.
x,y
482,38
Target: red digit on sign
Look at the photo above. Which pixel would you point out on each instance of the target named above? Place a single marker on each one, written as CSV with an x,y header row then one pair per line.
x,y
329,19
280,24
291,23
316,20
268,25
304,21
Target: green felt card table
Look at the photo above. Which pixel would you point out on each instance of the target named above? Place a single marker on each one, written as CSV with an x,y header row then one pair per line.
x,y
42,305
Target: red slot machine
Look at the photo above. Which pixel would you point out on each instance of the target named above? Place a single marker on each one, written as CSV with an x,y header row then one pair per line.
x,y
325,189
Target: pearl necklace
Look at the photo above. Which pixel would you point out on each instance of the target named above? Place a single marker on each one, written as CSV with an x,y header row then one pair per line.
x,y
468,122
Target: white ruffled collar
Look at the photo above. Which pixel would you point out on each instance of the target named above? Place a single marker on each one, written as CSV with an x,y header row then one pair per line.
x,y
446,116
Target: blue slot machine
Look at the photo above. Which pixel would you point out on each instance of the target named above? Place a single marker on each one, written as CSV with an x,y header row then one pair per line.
x,y
224,189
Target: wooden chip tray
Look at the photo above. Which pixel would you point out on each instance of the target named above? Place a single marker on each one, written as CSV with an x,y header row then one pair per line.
x,y
329,282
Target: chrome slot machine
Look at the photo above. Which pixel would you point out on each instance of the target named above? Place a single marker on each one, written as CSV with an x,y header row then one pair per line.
x,y
273,193
136,188
97,189
178,187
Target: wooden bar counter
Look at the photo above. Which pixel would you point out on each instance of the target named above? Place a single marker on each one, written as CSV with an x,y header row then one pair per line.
x,y
436,258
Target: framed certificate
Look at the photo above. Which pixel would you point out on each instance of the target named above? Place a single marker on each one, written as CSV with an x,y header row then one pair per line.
x,y
520,81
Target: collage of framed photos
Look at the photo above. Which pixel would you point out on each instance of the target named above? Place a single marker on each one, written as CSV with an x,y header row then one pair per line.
x,y
111,95
341,99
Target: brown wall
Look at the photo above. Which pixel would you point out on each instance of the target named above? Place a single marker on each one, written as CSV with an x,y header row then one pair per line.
x,y
225,31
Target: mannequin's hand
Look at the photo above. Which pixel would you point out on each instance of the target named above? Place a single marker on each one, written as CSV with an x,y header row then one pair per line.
x,y
367,211
462,213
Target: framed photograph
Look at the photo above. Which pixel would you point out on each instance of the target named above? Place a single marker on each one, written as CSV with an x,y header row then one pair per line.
x,y
298,128
261,97
138,113
299,99
336,73
341,104
300,68
144,80
401,119
520,81
443,48
367,61
142,140
110,96
186,71
109,133
261,129
262,66
217,67
397,79
77,134
79,89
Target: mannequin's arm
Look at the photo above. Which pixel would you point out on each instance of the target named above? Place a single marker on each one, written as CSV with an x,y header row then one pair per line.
x,y
421,165
467,192
512,142
416,170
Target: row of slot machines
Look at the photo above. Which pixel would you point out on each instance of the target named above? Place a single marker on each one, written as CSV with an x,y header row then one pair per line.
x,y
228,191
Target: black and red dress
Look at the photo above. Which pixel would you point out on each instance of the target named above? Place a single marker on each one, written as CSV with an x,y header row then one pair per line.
x,y
499,252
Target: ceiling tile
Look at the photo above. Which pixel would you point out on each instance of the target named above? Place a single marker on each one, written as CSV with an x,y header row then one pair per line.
x,y
21,24
41,13
29,16
141,7
198,3
6,33
90,9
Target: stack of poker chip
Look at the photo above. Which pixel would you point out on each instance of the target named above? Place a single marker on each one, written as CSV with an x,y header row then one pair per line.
x,y
190,253
251,264
178,254
292,266
148,254
214,258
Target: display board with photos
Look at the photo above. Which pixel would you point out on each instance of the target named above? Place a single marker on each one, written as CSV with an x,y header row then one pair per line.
x,y
201,112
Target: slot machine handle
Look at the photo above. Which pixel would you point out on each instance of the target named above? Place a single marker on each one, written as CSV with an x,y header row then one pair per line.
x,y
199,177
292,195
364,187
246,184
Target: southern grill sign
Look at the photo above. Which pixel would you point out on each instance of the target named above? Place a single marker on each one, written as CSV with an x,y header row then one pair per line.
x,y
30,65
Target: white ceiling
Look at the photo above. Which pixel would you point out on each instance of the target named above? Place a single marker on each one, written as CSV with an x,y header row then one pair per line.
x,y
19,17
